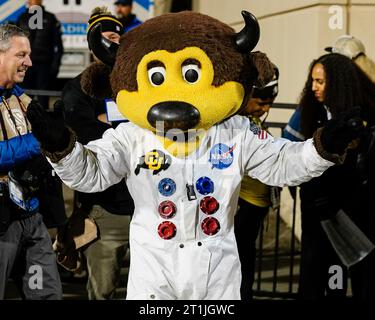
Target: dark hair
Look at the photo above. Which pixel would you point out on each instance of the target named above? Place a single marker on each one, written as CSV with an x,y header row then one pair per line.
x,y
124,2
346,87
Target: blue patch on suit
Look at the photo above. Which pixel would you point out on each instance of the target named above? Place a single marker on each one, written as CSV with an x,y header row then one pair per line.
x,y
167,187
221,156
204,185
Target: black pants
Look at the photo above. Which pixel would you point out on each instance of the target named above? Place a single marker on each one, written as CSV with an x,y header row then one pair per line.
x,y
318,256
247,223
26,255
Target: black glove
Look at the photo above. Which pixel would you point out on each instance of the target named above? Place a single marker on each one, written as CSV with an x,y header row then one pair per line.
x,y
339,132
49,127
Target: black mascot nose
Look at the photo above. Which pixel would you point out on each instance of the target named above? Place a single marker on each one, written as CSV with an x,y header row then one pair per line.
x,y
175,114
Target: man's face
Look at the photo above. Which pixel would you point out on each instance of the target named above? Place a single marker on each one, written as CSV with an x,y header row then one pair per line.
x,y
31,3
123,11
15,61
257,107
111,36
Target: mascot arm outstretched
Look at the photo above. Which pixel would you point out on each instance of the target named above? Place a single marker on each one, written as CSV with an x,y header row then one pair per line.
x,y
279,162
92,168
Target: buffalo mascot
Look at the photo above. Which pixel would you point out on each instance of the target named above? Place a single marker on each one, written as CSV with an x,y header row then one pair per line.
x,y
181,79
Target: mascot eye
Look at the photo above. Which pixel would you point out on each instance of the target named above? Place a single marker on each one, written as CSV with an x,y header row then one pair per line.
x,y
156,76
191,73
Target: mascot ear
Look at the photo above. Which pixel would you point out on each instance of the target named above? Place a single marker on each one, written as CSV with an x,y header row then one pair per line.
x,y
265,68
95,81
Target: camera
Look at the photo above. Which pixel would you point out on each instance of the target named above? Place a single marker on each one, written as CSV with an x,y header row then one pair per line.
x,y
22,190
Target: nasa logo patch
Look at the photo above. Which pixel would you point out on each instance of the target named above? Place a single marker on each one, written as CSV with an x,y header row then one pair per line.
x,y
221,156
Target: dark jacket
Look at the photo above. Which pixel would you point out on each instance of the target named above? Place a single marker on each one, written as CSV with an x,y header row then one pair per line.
x,y
20,153
81,112
130,22
342,185
46,43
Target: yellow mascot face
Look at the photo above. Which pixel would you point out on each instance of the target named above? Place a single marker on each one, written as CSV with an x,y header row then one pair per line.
x,y
176,89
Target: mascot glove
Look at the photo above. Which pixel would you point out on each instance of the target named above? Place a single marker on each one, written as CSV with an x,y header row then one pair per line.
x,y
334,138
49,127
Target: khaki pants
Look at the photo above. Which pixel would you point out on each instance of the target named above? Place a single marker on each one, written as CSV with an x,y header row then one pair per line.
x,y
105,256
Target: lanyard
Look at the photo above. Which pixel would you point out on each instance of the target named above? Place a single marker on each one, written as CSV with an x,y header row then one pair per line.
x,y
3,128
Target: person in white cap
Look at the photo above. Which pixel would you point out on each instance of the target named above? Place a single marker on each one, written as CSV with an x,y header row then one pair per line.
x,y
354,49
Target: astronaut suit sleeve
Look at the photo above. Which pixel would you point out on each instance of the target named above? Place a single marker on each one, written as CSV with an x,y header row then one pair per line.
x,y
280,162
98,165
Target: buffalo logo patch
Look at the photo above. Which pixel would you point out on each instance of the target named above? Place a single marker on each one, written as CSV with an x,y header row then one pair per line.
x,y
155,161
221,156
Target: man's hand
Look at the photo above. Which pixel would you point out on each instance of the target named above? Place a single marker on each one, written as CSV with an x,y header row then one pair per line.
x,y
339,132
103,118
49,127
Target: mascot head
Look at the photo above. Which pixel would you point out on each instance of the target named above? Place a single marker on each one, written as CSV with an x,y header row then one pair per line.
x,y
185,70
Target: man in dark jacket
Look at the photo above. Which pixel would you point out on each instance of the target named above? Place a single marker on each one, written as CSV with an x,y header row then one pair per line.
x,y
124,14
47,49
112,208
25,176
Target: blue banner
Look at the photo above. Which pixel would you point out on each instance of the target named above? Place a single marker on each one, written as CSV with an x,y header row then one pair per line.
x,y
144,3
13,17
74,28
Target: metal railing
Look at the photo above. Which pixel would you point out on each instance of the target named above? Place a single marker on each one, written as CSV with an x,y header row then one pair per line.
x,y
277,259
284,287
43,93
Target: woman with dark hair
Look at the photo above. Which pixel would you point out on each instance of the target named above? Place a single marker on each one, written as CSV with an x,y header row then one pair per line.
x,y
335,85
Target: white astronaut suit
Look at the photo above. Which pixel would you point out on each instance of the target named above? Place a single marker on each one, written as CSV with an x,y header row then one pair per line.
x,y
185,248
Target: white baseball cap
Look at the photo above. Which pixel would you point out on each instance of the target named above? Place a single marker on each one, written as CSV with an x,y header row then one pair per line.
x,y
348,46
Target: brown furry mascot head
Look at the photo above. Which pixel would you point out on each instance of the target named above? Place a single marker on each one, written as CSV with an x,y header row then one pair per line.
x,y
186,69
